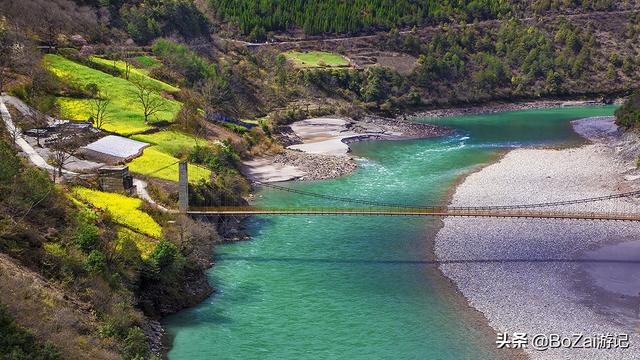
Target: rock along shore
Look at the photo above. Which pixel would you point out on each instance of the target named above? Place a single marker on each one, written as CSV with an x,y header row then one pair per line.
x,y
318,148
552,276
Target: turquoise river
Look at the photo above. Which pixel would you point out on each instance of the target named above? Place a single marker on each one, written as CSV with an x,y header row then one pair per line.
x,y
356,287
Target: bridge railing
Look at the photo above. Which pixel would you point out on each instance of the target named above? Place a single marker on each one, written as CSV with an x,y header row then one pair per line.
x,y
374,203
441,212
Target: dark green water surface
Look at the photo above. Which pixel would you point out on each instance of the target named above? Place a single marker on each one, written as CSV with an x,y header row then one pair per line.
x,y
355,287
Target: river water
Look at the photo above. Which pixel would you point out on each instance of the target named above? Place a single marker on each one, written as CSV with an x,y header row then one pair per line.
x,y
356,287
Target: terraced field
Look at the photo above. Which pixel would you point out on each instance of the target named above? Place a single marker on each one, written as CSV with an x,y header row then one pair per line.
x,y
316,59
125,114
161,165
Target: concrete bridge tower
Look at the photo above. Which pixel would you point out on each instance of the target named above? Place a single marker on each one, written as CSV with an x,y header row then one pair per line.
x,y
183,187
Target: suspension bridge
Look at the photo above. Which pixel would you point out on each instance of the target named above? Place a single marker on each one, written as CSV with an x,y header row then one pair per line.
x,y
355,206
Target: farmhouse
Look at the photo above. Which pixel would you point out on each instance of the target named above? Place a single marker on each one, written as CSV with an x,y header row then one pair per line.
x,y
114,149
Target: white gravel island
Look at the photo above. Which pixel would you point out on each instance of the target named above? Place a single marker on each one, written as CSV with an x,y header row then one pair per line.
x,y
552,276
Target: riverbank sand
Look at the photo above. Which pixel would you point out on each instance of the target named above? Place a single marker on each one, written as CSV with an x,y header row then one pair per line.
x,y
318,148
552,276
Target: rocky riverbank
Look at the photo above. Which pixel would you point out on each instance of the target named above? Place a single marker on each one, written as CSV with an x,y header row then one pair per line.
x,y
318,148
552,276
317,166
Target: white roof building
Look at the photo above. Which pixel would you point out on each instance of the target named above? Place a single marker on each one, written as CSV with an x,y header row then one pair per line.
x,y
114,149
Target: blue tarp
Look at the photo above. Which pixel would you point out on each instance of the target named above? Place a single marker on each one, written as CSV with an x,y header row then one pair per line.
x,y
223,118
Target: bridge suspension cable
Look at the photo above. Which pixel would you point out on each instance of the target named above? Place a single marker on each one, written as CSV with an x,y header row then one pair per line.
x,y
162,168
489,207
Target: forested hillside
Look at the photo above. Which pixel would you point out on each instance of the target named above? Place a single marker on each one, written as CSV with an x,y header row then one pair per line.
x,y
108,20
256,18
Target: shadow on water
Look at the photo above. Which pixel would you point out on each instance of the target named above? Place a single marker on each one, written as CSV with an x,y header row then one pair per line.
x,y
257,259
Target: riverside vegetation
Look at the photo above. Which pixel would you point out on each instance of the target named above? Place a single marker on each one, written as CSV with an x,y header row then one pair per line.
x,y
123,262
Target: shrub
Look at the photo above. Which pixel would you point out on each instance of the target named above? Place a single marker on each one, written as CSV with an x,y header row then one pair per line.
x,y
120,317
628,115
9,163
87,235
68,52
167,75
238,129
136,346
191,65
164,254
92,89
31,188
96,262
217,157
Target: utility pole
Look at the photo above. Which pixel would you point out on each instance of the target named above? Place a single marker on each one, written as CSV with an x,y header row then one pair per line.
x,y
183,187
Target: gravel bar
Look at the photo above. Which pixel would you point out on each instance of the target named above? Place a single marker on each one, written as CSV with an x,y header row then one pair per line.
x,y
532,276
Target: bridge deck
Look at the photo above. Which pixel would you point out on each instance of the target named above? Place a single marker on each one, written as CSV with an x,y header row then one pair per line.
x,y
242,211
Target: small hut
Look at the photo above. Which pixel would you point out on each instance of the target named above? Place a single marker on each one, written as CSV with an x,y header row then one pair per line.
x,y
115,179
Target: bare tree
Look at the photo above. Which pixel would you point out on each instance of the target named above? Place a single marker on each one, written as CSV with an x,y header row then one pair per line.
x,y
195,239
37,121
16,130
48,18
216,93
189,117
151,101
99,111
127,65
63,148
16,52
121,54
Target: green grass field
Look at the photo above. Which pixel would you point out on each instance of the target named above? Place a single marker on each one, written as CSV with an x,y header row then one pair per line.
x,y
136,74
153,159
125,117
125,114
170,142
123,209
315,58
147,61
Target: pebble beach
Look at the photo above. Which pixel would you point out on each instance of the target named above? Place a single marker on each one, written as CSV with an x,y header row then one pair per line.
x,y
552,276
319,147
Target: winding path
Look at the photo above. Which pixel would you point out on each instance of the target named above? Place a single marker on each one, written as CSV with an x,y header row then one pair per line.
x,y
31,153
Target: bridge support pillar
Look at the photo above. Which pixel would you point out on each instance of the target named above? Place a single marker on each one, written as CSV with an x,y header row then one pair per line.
x,y
183,187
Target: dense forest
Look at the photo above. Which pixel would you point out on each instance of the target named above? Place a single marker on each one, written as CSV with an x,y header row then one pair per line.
x,y
257,18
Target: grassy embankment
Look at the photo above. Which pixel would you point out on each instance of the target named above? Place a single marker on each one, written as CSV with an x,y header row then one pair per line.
x,y
125,112
138,226
125,116
136,74
316,59
147,61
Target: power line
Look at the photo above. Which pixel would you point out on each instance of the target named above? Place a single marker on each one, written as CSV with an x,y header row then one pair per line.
x,y
162,168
